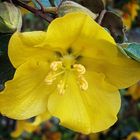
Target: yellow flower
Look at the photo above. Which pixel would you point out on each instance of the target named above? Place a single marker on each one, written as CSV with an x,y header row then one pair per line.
x,y
73,70
130,12
134,91
134,136
25,125
127,21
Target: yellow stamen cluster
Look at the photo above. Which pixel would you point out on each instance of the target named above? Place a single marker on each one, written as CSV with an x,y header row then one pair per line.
x,y
81,79
61,67
56,65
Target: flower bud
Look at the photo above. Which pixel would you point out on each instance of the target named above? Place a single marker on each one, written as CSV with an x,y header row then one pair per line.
x,y
10,18
70,6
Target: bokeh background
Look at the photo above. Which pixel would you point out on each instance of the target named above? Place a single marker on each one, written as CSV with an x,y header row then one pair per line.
x,y
128,125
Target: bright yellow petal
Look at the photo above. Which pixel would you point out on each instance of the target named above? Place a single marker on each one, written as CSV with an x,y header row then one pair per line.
x,y
100,55
26,95
25,125
121,72
41,118
91,41
91,111
64,31
124,74
23,46
21,126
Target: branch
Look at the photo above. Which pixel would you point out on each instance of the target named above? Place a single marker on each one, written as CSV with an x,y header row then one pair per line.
x,y
61,3
41,6
52,3
101,16
33,10
52,10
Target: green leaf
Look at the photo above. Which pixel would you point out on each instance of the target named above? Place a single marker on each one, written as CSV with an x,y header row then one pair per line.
x,y
113,22
120,47
130,50
96,6
133,50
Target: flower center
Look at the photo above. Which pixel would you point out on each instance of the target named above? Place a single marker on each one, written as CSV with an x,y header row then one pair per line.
x,y
61,69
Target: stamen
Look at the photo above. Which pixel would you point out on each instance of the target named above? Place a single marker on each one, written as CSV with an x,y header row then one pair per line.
x,y
64,67
56,65
83,83
79,68
81,80
51,77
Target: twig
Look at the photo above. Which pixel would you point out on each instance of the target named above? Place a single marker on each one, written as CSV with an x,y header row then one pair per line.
x,y
41,6
52,3
101,16
61,3
33,10
52,10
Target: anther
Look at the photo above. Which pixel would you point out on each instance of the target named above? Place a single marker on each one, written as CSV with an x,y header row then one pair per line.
x,y
79,68
83,83
51,77
56,65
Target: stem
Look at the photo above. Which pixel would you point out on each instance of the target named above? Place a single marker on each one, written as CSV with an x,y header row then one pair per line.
x,y
101,16
52,10
52,3
61,3
41,6
33,10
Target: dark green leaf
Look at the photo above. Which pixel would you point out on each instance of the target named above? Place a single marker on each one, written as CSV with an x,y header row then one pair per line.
x,y
114,24
96,6
133,50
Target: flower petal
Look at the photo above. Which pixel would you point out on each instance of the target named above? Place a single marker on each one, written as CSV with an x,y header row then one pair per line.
x,y
41,118
71,27
124,74
103,56
23,46
119,70
21,126
91,111
85,36
26,95
25,125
